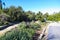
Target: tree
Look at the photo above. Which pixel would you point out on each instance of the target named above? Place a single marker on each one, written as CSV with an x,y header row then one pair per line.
x,y
3,19
39,16
54,17
46,14
15,13
0,4
30,15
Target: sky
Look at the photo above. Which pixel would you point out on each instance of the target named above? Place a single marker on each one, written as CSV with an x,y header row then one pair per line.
x,y
44,6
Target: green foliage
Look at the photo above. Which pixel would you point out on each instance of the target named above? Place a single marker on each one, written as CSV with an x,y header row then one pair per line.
x,y
35,26
40,17
26,29
20,33
22,25
3,19
54,17
18,14
1,11
30,15
23,34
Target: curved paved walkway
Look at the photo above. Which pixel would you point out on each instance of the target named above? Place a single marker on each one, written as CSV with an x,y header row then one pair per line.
x,y
2,32
54,31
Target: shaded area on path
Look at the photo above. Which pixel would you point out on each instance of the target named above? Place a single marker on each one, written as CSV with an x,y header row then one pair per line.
x,y
10,24
2,32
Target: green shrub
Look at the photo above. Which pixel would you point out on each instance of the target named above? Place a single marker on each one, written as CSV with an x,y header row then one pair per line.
x,y
34,25
22,25
20,33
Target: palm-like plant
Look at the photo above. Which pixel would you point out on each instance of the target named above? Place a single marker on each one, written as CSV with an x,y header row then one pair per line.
x,y
2,4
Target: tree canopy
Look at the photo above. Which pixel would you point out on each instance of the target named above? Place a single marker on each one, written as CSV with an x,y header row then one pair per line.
x,y
18,14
